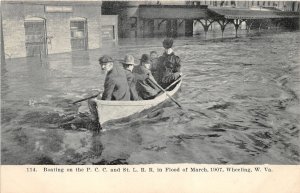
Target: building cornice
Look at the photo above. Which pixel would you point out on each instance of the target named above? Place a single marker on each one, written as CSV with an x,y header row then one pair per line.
x,y
53,2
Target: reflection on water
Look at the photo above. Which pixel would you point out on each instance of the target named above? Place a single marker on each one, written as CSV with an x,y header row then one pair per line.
x,y
240,99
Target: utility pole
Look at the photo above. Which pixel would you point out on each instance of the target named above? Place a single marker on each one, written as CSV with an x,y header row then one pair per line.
x,y
2,40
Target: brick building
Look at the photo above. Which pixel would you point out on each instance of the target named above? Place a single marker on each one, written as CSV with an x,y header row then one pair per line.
x,y
44,27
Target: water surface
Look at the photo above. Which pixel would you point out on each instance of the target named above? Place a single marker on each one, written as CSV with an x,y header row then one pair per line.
x,y
240,99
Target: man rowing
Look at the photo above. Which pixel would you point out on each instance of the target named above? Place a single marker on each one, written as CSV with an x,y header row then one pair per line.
x,y
168,65
146,88
115,86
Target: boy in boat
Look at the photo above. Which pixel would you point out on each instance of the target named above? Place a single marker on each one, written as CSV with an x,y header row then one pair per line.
x,y
115,86
153,60
168,65
145,88
128,65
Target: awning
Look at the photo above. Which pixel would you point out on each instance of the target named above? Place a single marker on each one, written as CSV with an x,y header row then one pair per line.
x,y
34,19
238,13
77,19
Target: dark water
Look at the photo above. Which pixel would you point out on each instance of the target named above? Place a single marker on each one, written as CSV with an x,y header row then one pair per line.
x,y
240,99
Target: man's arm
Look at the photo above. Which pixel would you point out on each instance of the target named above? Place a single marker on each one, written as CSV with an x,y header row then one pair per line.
x,y
109,87
139,74
177,65
132,80
150,76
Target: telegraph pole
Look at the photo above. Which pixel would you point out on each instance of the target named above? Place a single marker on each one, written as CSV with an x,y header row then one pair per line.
x,y
2,40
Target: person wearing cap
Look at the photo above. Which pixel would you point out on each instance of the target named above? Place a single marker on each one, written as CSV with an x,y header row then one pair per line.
x,y
168,65
115,86
128,65
145,88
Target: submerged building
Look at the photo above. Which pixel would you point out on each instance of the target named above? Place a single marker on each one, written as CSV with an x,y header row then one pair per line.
x,y
33,28
178,18
42,27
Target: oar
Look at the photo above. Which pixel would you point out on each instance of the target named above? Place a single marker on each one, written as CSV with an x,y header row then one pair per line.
x,y
177,103
84,99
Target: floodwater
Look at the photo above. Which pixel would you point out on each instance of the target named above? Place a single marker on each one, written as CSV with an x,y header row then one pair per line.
x,y
240,99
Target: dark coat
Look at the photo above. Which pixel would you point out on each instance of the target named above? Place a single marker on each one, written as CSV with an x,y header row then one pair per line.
x,y
154,67
168,69
145,88
131,80
115,85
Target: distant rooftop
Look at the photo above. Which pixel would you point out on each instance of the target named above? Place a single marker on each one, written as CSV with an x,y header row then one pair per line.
x,y
242,13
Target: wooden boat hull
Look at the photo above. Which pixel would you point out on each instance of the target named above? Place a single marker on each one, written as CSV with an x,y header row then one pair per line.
x,y
115,110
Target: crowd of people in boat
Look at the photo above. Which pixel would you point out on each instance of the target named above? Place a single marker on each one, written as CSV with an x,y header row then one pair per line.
x,y
141,81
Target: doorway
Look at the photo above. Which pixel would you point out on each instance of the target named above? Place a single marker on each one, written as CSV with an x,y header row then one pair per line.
x,y
35,37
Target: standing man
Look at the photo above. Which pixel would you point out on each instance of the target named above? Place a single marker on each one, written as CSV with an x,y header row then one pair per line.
x,y
168,66
128,65
115,86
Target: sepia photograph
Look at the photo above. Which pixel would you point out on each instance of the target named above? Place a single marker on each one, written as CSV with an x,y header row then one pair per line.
x,y
91,82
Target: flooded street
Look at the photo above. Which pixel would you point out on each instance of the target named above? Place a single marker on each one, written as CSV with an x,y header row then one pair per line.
x,y
240,99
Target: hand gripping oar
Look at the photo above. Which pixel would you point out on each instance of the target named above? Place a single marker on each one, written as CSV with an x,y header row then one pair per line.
x,y
174,100
90,97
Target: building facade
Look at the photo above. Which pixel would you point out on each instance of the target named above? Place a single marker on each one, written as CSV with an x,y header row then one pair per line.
x,y
32,28
280,5
286,6
133,24
41,27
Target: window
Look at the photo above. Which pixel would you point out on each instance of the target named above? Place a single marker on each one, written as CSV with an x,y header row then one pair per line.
x,y
77,29
133,22
79,38
108,32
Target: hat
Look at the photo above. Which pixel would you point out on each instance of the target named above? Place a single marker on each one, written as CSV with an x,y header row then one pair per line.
x,y
129,59
168,43
105,59
145,58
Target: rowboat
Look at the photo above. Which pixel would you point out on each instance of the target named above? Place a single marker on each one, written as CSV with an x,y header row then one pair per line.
x,y
115,110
